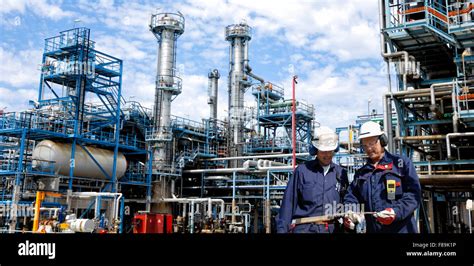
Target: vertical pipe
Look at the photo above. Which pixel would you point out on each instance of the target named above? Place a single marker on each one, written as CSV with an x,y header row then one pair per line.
x,y
122,207
455,112
233,197
268,213
293,120
39,199
117,132
97,207
191,219
148,181
209,208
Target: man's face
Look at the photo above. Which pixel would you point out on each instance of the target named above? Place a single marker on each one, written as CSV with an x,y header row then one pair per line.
x,y
325,157
373,148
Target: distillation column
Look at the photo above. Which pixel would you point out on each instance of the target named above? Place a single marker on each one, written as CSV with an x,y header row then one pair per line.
x,y
238,35
212,92
166,27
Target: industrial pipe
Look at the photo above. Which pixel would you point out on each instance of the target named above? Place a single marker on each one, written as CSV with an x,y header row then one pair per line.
x,y
54,210
452,135
389,55
197,200
221,170
248,71
427,137
101,194
281,155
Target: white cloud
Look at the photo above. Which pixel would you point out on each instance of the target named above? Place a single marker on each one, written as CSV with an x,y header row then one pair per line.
x,y
340,96
16,100
43,8
12,5
20,68
329,44
192,102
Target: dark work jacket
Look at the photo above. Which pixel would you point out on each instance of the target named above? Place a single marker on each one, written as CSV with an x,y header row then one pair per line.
x,y
308,194
369,187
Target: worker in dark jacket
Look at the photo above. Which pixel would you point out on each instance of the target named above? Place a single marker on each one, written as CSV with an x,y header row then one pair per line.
x,y
315,189
387,184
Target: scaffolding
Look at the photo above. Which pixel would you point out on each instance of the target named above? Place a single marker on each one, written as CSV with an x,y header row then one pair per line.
x,y
429,44
81,114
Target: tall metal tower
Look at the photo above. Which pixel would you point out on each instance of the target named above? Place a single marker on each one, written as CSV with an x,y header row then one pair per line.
x,y
238,35
214,76
166,27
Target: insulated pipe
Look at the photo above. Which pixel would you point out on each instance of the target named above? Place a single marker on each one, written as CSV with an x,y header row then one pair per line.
x,y
248,71
387,122
455,113
250,164
385,54
281,155
261,165
209,208
452,135
223,170
427,137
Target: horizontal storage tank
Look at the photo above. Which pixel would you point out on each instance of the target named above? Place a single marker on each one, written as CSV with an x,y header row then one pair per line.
x,y
60,153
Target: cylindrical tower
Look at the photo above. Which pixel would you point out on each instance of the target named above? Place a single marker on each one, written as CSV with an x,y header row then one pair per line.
x,y
238,35
166,27
214,76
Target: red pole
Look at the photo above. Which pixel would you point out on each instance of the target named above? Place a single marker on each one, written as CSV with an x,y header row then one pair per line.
x,y
293,121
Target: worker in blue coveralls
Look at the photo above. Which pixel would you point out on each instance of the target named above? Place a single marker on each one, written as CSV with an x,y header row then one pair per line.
x,y
387,185
315,186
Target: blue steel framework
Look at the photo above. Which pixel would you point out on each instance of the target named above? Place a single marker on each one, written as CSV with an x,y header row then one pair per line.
x,y
272,134
73,72
433,123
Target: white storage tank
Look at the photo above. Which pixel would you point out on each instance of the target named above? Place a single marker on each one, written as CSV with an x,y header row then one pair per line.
x,y
60,153
82,225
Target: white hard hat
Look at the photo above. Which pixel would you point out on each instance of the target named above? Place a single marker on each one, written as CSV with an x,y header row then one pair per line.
x,y
326,139
370,129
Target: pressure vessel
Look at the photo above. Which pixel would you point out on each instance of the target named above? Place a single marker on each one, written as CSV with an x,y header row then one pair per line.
x,y
47,152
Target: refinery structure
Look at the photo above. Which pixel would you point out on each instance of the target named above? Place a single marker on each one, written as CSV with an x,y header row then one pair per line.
x,y
82,159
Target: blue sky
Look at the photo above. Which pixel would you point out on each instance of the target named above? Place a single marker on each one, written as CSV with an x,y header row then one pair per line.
x,y
332,45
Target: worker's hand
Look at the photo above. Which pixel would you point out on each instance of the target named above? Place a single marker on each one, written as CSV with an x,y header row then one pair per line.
x,y
351,218
386,216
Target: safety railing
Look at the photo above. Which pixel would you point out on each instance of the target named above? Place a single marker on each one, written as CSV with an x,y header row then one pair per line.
x,y
159,134
286,107
274,143
69,38
405,13
465,100
185,123
270,88
166,169
171,83
171,21
460,14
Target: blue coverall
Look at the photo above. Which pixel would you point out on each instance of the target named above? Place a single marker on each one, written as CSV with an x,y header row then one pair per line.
x,y
369,187
307,194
